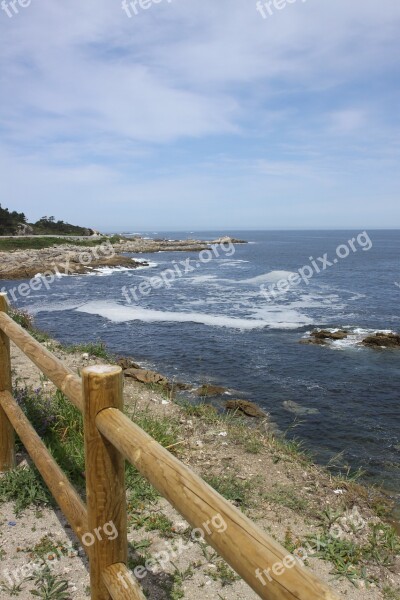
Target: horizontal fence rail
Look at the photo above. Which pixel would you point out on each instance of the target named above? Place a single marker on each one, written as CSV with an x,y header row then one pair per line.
x,y
110,438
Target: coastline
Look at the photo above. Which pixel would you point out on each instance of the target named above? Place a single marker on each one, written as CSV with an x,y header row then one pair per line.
x,y
69,259
270,478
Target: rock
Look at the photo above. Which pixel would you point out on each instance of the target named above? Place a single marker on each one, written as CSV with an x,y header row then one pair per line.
x,y
382,340
324,334
298,409
127,363
228,240
321,336
145,376
245,406
314,341
178,385
210,390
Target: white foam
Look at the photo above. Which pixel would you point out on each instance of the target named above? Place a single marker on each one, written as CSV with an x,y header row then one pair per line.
x,y
120,314
271,277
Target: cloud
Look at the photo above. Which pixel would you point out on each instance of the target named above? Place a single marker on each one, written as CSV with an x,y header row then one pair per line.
x,y
94,97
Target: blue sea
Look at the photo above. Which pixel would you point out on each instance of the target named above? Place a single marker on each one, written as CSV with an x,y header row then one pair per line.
x,y
220,323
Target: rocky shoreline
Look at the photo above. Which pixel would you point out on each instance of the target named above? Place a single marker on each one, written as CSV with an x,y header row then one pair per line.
x,y
70,259
274,484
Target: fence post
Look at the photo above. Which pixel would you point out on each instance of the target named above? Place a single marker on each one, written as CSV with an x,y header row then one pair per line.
x,y
7,442
106,539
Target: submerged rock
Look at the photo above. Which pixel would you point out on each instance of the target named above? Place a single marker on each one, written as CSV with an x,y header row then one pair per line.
x,y
210,390
298,409
325,334
382,340
245,406
322,336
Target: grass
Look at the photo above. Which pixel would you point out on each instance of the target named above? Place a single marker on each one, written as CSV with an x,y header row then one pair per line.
x,y
25,320
97,349
49,586
390,593
354,560
285,495
25,487
232,488
60,425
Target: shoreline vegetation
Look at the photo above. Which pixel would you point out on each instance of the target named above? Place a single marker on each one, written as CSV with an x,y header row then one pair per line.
x,y
343,524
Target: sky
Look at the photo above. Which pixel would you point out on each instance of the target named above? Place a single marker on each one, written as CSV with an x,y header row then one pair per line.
x,y
201,114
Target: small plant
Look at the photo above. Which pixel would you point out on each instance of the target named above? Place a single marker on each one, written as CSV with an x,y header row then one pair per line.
x,y
12,590
223,573
390,593
232,488
97,349
25,487
286,496
50,586
159,522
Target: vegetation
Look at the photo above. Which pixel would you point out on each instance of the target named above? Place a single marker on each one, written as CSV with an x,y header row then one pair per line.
x,y
10,221
48,226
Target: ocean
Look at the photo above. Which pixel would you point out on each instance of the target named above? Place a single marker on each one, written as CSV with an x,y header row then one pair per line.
x,y
236,319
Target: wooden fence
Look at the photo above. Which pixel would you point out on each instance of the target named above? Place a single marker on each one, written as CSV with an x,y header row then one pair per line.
x,y
111,438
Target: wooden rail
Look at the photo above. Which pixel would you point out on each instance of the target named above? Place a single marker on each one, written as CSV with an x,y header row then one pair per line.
x,y
110,438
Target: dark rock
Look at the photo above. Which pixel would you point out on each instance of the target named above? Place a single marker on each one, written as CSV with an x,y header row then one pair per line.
x,y
382,340
210,390
324,334
145,376
127,363
245,406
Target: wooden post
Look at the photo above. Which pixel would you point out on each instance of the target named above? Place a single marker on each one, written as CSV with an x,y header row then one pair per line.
x,y
7,442
105,478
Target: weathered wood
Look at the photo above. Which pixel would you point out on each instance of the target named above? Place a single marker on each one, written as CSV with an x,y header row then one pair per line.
x,y
121,583
63,491
56,371
7,441
105,476
240,542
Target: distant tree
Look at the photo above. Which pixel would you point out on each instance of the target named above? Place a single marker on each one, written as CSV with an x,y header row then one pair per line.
x,y
9,221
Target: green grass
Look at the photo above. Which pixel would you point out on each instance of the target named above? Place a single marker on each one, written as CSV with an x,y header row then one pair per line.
x,y
285,495
232,488
353,560
60,425
390,593
25,320
38,243
25,487
97,349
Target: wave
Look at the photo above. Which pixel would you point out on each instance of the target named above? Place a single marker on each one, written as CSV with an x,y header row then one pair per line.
x,y
119,313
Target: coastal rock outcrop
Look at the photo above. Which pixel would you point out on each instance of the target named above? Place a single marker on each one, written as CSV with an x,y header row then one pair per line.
x,y
382,340
322,336
206,391
146,376
245,406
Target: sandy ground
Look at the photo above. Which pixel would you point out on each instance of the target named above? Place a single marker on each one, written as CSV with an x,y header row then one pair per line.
x,y
207,450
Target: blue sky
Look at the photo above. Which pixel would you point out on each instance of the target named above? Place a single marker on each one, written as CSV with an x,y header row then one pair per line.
x,y
200,114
